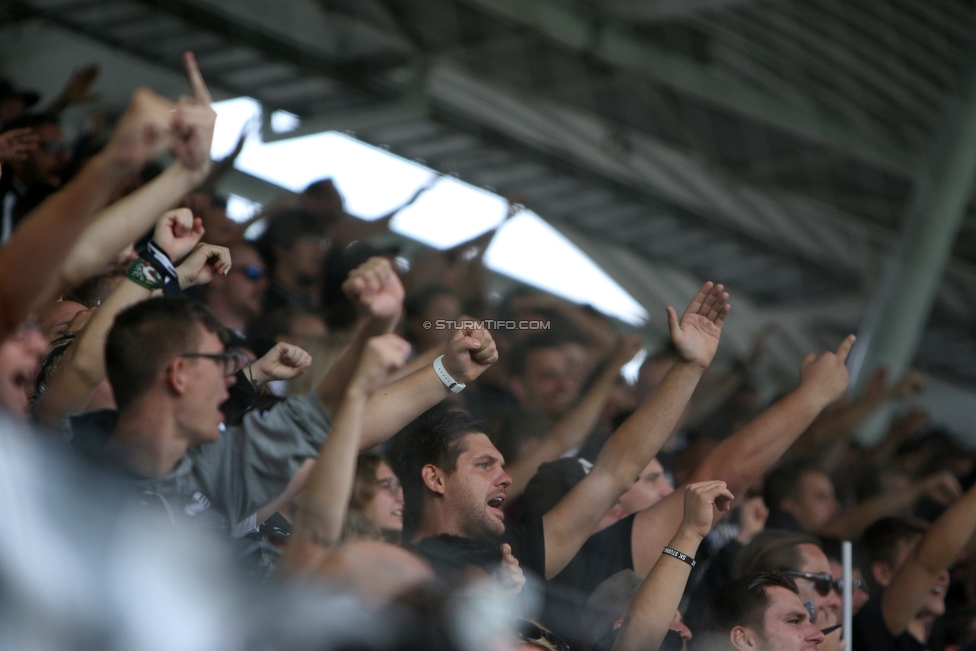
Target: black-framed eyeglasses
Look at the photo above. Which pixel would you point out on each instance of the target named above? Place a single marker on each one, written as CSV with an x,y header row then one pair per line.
x,y
529,631
252,272
230,362
823,582
390,484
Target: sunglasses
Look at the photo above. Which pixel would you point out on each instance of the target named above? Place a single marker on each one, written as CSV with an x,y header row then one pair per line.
x,y
529,631
252,272
823,583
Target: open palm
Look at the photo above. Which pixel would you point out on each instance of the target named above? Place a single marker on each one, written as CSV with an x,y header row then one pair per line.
x,y
696,337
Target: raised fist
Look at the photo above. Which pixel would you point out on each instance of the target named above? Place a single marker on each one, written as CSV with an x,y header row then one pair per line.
x,y
382,355
203,263
375,289
283,362
177,232
469,354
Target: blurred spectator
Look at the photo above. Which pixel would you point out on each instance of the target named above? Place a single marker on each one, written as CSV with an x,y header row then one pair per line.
x,y
28,182
294,248
14,103
235,298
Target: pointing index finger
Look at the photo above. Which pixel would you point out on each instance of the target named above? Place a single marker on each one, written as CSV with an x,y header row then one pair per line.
x,y
197,85
845,347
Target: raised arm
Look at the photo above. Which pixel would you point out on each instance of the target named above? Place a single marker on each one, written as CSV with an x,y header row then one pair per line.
x,y
742,458
377,292
131,217
913,582
650,613
573,428
634,444
31,260
392,407
82,368
942,487
321,508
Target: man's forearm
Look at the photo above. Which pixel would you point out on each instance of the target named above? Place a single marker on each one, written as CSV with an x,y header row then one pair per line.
x,y
78,375
743,457
650,613
31,260
850,524
125,221
332,387
392,407
941,544
641,436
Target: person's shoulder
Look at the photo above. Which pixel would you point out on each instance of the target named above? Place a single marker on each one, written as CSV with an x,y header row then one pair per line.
x,y
89,428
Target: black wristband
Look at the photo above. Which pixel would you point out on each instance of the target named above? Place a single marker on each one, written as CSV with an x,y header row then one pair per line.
x,y
681,557
160,262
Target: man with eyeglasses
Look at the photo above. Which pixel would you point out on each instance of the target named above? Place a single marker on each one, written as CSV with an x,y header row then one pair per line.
x,y
31,180
235,299
170,373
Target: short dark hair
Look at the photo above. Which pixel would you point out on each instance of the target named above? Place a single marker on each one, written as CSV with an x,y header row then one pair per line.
x,y
147,336
436,437
882,538
773,550
784,481
285,227
743,601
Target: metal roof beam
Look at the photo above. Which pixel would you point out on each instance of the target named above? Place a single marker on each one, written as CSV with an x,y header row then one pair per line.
x,y
656,11
702,82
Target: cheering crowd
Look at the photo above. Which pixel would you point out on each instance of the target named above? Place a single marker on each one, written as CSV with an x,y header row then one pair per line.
x,y
289,413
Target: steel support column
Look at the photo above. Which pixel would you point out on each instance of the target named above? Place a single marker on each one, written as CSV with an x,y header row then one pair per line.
x,y
890,332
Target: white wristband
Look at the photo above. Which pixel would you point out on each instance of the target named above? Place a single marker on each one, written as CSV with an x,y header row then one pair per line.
x,y
449,382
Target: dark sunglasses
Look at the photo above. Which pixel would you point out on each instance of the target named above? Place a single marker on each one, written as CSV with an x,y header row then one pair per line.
x,y
529,631
252,272
823,583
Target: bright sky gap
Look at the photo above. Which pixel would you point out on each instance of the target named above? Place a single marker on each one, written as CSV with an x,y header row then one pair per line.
x,y
375,182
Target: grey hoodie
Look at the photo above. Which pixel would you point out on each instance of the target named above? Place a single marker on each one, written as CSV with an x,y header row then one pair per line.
x,y
218,484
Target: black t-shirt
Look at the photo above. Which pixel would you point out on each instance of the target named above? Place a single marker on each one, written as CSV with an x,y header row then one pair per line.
x,y
446,554
604,554
528,542
871,632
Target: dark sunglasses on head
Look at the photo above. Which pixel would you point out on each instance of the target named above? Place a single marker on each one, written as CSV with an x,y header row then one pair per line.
x,y
252,272
529,631
823,583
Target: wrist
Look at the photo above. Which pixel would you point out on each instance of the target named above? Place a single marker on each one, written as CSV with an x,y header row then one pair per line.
x,y
189,178
255,375
686,540
689,368
356,393
813,397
